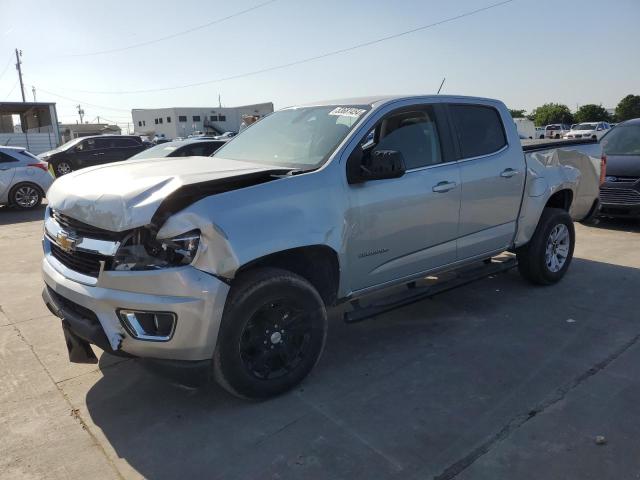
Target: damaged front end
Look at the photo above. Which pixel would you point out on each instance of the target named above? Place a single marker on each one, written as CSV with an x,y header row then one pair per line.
x,y
135,271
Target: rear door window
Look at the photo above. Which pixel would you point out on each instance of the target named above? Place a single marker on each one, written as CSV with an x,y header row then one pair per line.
x,y
124,142
479,129
5,158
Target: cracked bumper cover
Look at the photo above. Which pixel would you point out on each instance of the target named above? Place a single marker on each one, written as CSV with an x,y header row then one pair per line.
x,y
196,298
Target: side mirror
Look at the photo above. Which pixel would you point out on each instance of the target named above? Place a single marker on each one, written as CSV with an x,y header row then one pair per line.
x,y
376,165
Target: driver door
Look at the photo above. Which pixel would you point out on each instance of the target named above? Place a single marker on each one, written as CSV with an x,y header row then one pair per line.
x,y
403,226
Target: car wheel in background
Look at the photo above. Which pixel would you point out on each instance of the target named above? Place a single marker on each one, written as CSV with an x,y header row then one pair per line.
x,y
63,168
272,334
546,258
25,196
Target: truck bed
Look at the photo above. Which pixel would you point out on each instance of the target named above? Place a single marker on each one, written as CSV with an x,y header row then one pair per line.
x,y
546,144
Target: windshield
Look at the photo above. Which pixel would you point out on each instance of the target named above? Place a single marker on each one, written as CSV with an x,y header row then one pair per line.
x,y
585,126
553,127
70,143
622,140
294,138
162,150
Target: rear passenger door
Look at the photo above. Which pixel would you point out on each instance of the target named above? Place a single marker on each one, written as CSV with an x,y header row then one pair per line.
x,y
406,225
492,174
123,148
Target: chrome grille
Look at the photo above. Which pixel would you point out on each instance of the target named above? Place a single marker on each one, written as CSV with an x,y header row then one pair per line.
x,y
83,229
82,262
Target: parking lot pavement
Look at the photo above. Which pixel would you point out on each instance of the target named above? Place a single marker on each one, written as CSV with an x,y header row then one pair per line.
x,y
497,379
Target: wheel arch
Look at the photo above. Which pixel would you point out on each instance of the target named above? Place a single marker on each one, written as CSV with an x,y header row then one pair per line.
x,y
318,264
561,199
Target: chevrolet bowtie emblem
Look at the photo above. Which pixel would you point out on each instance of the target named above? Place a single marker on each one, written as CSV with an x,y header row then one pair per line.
x,y
65,242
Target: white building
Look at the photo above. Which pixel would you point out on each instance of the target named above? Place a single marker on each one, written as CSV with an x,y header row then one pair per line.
x,y
183,121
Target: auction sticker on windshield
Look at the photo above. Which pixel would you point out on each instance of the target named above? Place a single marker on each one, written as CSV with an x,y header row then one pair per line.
x,y
347,112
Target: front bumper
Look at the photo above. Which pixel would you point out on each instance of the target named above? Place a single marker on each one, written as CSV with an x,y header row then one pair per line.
x,y
195,297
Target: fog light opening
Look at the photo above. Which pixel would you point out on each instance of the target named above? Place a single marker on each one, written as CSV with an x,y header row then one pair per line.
x,y
150,326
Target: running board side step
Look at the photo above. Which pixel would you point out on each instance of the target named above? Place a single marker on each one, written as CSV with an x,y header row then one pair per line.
x,y
416,293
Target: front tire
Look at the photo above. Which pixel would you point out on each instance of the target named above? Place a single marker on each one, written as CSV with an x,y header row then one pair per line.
x,y
546,258
25,196
272,334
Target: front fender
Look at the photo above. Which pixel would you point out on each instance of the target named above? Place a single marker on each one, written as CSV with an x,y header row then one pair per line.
x,y
243,225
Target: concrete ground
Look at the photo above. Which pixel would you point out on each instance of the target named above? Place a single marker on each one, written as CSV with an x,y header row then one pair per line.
x,y
495,380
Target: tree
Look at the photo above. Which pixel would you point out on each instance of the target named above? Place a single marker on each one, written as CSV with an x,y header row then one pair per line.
x,y
517,113
591,113
552,113
628,108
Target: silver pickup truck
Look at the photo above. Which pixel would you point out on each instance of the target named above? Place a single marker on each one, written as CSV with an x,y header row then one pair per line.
x,y
227,264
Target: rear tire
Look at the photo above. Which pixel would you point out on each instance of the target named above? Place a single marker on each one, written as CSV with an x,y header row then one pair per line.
x,y
63,168
25,196
272,334
546,258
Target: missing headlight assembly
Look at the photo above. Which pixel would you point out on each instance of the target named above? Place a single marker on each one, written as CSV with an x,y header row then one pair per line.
x,y
141,250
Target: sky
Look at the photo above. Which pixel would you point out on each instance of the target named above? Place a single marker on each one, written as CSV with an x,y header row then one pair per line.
x,y
525,52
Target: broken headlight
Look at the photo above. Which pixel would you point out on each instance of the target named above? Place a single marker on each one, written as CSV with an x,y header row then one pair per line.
x,y
141,252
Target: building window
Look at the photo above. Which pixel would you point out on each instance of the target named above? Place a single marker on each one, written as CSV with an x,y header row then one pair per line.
x,y
222,118
156,120
139,123
144,123
168,119
196,118
213,118
182,118
160,119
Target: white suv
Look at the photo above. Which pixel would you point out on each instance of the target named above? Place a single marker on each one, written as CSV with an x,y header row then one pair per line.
x,y
593,130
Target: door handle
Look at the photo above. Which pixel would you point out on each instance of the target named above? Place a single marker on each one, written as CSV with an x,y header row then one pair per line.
x,y
443,187
508,173
96,154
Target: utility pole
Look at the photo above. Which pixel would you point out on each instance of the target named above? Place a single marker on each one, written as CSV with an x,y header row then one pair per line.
x,y
80,113
219,102
33,89
441,85
98,118
18,67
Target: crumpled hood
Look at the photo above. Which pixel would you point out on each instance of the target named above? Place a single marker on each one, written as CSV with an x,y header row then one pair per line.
x,y
125,195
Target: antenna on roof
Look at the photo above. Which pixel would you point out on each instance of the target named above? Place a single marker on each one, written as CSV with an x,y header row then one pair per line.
x,y
441,85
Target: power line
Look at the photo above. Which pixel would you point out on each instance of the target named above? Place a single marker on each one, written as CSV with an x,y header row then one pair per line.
x,y
83,102
173,35
4,70
12,89
304,60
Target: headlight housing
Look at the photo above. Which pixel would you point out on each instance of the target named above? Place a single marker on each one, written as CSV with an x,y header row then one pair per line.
x,y
141,252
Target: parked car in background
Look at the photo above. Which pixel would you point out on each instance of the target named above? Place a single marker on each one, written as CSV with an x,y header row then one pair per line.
x,y
620,192
90,151
593,130
556,130
192,147
539,133
24,179
229,266
226,135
